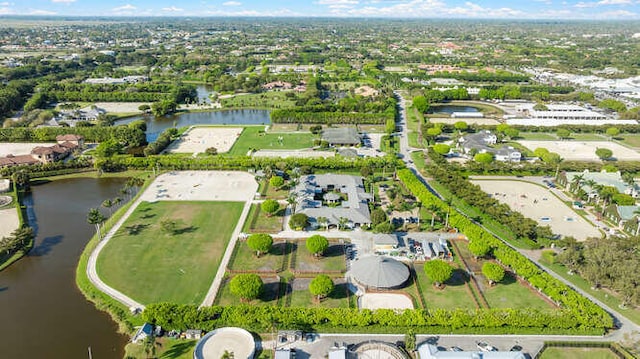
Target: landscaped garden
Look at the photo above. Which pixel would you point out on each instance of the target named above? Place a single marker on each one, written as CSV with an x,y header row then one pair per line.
x,y
195,234
577,353
258,221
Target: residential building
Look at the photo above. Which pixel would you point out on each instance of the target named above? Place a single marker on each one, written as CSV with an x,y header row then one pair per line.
x,y
588,181
482,141
622,214
46,154
343,136
334,197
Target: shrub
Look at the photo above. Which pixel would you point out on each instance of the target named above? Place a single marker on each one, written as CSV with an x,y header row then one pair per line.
x,y
438,271
260,243
270,207
299,221
246,286
493,272
321,286
317,244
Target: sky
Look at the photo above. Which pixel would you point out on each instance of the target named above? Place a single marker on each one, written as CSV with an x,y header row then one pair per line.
x,y
475,9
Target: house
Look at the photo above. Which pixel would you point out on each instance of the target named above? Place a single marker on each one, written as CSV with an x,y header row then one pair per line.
x,y
343,136
277,85
146,330
75,139
587,182
341,199
482,141
622,214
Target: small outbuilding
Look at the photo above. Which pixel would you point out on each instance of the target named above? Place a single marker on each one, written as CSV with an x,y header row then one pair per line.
x,y
344,136
380,272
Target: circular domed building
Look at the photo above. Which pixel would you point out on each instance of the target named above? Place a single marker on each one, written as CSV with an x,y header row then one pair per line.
x,y
379,272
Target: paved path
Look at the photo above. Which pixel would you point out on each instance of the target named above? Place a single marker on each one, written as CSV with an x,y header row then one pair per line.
x,y
93,258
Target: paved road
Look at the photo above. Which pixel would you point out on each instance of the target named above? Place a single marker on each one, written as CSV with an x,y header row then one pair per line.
x,y
625,326
91,265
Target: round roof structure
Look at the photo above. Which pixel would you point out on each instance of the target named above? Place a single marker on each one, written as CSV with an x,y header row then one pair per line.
x,y
233,340
380,272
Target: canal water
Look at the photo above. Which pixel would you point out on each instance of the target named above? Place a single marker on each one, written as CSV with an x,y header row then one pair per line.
x,y
42,312
155,125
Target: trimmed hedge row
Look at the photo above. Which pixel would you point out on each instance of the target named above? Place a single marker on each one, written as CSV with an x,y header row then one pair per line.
x,y
588,314
290,116
262,319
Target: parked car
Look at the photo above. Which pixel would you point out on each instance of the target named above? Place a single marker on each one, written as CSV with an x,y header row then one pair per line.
x,y
486,347
515,348
455,349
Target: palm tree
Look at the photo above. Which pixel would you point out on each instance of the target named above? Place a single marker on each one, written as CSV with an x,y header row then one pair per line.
x,y
291,200
592,184
448,201
107,203
342,222
324,221
96,218
576,182
117,201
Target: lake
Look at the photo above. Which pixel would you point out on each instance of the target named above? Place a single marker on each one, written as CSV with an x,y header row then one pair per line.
x,y
449,109
43,313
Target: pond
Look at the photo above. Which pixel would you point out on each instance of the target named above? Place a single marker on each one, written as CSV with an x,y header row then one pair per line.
x,y
43,313
449,109
155,125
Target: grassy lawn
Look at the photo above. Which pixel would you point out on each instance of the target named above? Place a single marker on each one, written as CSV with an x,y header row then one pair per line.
x,y
632,140
269,295
152,266
166,348
413,140
302,298
454,295
589,137
332,260
274,193
259,222
511,294
255,137
266,100
245,258
577,353
538,136
418,160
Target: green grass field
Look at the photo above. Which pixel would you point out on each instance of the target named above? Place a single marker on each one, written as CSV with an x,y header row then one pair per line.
x,y
538,136
255,137
510,294
337,299
332,260
578,353
151,266
266,100
245,258
259,222
269,295
454,295
632,140
166,348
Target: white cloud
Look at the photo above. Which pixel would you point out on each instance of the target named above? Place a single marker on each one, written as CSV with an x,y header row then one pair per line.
x,y
274,13
5,11
618,14
127,7
614,2
337,2
4,4
41,12
172,9
63,1
232,3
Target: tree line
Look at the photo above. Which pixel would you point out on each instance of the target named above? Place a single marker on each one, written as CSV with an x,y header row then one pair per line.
x,y
132,134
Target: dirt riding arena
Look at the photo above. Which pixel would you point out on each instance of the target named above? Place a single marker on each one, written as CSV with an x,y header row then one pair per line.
x,y
202,186
22,148
583,150
384,301
8,221
542,206
198,139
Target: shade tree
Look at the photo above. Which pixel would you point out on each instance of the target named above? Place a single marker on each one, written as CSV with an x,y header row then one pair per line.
x,y
247,286
438,271
317,244
321,286
260,243
493,272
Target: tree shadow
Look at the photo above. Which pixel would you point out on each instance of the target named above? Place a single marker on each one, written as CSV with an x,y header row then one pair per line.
x,y
509,278
147,216
189,229
459,277
339,291
281,249
334,250
44,247
178,350
270,292
135,229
